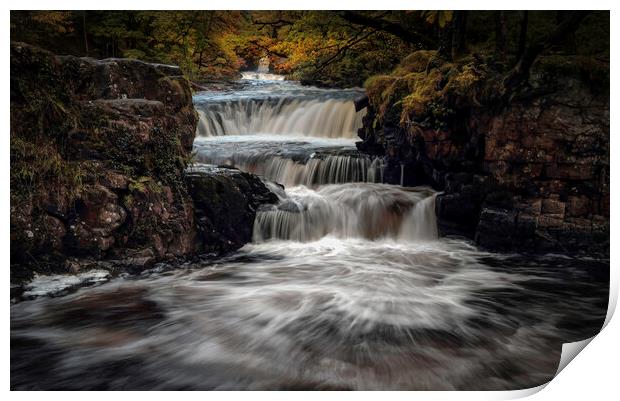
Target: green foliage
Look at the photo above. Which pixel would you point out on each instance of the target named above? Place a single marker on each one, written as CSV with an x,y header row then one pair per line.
x,y
199,42
139,184
324,49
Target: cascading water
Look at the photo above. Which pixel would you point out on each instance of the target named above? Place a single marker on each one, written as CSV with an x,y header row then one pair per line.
x,y
262,76
286,133
302,139
345,285
368,211
291,161
295,115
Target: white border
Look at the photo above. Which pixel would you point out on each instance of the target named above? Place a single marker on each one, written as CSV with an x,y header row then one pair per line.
x,y
594,372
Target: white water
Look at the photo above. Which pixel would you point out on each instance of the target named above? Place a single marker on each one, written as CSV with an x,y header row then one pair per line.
x,y
278,108
285,133
291,161
365,211
263,76
345,286
330,118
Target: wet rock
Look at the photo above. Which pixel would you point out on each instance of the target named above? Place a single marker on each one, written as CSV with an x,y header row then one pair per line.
x,y
291,207
543,159
577,206
119,133
139,261
553,206
496,228
456,213
550,220
115,180
54,231
226,201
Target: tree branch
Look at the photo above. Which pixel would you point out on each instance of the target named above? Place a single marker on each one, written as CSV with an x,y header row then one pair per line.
x,y
521,70
265,48
386,26
342,51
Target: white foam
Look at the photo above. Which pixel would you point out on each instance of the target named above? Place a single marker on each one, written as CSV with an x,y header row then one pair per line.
x,y
53,285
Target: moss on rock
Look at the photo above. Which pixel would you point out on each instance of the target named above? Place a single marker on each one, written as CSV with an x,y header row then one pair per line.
x,y
100,147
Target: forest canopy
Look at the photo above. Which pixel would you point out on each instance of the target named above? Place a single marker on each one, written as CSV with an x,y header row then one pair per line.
x,y
329,48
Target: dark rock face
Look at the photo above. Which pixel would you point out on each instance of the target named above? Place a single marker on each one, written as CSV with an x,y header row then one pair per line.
x,y
118,132
531,176
225,201
98,156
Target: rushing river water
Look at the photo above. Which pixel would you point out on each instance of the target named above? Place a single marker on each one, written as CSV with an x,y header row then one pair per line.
x,y
346,284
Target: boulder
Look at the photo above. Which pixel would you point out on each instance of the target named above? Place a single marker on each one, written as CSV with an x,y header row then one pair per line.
x,y
225,201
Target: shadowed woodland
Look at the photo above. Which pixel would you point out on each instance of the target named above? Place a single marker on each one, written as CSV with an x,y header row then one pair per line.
x,y
329,48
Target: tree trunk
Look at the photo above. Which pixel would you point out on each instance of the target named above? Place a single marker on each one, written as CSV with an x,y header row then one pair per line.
x,y
404,33
500,35
444,51
521,71
522,35
459,28
569,44
84,29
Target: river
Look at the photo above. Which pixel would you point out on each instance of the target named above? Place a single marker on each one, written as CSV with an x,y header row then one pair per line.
x,y
346,284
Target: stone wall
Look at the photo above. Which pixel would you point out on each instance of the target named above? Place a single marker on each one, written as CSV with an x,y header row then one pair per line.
x,y
554,153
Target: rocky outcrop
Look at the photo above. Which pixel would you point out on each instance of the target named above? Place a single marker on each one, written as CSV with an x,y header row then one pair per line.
x,y
531,174
98,149
225,201
98,156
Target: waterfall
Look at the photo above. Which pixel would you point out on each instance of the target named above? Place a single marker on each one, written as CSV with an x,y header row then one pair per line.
x,y
330,170
315,170
262,76
303,139
329,118
370,211
421,222
263,65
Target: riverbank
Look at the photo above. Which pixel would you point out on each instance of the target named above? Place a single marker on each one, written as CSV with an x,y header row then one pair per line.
x,y
99,150
525,172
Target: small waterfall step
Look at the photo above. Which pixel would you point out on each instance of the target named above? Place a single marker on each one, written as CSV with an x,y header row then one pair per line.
x,y
291,163
273,106
355,210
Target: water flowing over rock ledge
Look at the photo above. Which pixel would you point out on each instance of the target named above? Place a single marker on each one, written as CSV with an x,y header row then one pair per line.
x,y
531,174
98,152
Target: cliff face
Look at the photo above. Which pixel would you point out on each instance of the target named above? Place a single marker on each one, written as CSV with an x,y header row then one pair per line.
x,y
532,174
98,149
98,156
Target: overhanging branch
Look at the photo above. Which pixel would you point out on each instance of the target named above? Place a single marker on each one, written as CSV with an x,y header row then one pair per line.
x,y
393,28
521,70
